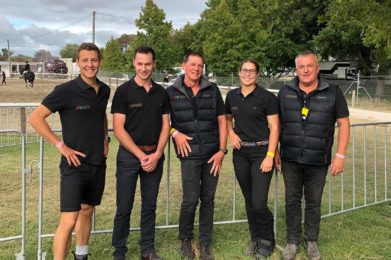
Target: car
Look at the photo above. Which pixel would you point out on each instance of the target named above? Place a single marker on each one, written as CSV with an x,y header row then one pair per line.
x,y
56,66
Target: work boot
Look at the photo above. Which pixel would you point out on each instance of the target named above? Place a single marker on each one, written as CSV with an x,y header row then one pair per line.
x,y
250,251
187,251
206,253
150,256
264,248
79,257
290,251
312,250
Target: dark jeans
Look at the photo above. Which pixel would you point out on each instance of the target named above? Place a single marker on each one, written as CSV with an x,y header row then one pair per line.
x,y
128,171
255,188
312,179
197,184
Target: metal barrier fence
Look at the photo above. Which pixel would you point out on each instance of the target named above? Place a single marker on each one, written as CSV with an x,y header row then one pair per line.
x,y
364,183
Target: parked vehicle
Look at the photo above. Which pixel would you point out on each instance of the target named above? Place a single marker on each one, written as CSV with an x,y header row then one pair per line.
x,y
56,66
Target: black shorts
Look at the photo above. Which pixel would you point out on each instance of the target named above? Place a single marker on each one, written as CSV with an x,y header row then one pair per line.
x,y
83,184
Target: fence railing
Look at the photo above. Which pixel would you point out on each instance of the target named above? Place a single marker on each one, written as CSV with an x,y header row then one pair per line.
x,y
364,183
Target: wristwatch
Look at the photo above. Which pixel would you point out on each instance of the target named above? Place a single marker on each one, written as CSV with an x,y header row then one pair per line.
x,y
224,150
108,139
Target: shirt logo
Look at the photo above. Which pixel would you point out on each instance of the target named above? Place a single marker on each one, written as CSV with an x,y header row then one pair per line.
x,y
82,107
178,97
290,96
137,105
234,108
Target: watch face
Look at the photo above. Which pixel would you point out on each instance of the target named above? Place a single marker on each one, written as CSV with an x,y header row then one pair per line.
x,y
225,151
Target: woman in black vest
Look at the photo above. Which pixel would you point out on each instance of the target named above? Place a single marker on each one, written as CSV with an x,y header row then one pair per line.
x,y
254,136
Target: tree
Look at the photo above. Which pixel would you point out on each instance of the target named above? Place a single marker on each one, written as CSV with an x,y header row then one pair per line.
x,y
42,55
156,32
184,38
358,29
270,31
113,59
20,58
4,55
222,47
125,41
69,51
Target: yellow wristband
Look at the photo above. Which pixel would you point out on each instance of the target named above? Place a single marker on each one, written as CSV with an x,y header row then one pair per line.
x,y
271,154
172,130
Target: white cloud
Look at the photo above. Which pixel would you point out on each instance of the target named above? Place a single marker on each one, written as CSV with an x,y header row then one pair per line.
x,y
51,24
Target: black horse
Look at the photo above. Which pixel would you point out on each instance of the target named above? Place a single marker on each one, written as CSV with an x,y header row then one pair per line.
x,y
28,77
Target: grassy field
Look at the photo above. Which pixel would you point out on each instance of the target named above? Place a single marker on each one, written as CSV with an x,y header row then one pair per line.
x,y
360,234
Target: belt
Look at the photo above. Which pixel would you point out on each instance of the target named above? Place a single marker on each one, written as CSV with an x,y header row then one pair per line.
x,y
253,144
147,148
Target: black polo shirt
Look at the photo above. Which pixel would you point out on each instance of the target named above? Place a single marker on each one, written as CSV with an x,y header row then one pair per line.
x,y
82,112
250,113
143,110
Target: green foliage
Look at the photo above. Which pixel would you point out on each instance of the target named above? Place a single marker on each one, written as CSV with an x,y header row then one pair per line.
x,y
4,54
69,51
154,31
20,58
125,41
270,31
357,29
113,59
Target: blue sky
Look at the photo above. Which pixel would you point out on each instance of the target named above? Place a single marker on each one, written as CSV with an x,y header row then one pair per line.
x,y
51,24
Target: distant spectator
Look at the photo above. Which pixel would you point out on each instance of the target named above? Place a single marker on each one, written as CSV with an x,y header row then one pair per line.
x,y
4,77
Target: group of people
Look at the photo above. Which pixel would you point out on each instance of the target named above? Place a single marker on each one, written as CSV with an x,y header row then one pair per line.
x,y
192,111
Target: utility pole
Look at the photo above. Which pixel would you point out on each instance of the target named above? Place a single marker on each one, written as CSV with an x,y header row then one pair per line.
x,y
9,58
93,26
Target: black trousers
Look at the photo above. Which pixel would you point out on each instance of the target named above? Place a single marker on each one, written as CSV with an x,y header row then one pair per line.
x,y
128,171
255,188
311,179
197,185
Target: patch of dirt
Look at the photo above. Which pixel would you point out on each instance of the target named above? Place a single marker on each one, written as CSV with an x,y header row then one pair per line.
x,y
16,92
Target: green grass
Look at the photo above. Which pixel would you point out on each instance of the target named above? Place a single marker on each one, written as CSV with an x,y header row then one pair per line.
x,y
361,234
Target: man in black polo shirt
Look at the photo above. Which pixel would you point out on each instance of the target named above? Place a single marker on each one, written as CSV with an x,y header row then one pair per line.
x,y
199,131
141,125
81,104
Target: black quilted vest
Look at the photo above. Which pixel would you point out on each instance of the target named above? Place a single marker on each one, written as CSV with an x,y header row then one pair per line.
x,y
199,123
307,141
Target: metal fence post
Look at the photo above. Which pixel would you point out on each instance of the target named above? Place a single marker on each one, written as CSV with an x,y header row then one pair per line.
x,y
41,255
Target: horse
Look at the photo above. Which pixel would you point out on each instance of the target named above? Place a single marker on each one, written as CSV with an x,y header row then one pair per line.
x,y
28,77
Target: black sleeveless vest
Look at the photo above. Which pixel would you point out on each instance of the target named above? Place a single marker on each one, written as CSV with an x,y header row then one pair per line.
x,y
199,122
307,141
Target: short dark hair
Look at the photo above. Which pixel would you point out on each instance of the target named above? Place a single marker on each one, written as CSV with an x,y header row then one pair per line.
x,y
306,53
193,53
145,50
250,61
89,46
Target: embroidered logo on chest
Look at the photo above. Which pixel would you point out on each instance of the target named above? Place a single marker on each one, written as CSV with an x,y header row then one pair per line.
x,y
82,107
136,105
